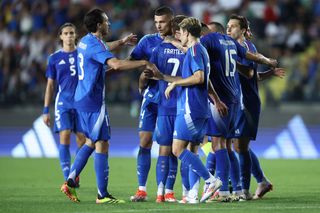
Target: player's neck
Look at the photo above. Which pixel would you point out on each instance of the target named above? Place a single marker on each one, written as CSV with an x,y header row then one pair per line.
x,y
67,48
241,40
192,41
163,36
98,35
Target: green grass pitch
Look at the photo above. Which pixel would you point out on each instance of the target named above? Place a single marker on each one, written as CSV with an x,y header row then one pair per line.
x,y
33,185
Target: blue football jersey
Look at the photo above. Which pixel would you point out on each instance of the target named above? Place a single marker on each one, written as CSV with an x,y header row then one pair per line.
x,y
168,60
62,67
224,52
144,50
249,87
92,55
194,99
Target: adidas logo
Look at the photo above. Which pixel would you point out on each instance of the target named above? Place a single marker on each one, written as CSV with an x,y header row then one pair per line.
x,y
175,133
36,143
62,62
293,142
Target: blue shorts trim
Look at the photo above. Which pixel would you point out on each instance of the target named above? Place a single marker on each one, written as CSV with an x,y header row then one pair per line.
x,y
95,125
190,129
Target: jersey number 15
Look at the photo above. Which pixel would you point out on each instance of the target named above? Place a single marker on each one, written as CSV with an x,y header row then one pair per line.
x,y
229,54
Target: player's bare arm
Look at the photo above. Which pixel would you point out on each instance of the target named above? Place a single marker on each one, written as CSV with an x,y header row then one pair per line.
x,y
47,101
118,64
130,39
277,72
143,82
221,107
261,59
196,78
245,70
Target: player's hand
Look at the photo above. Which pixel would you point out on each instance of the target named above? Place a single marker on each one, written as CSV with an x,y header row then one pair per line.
x,y
130,39
272,62
46,119
169,89
279,72
156,74
147,74
221,108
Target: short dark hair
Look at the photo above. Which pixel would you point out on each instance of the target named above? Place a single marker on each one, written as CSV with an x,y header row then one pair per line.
x,y
92,18
219,27
204,29
67,24
243,21
163,10
176,21
192,25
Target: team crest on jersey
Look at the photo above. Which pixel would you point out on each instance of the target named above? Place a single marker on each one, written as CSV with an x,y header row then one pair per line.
x,y
71,60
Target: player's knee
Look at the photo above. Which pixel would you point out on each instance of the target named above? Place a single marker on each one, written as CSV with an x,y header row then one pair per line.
x,y
80,139
241,145
102,146
237,149
65,137
165,150
145,139
89,143
176,151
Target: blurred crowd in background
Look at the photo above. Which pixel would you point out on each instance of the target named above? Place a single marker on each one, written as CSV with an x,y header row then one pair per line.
x,y
288,30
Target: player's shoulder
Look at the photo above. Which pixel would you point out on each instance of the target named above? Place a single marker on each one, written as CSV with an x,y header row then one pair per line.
x,y
90,43
211,39
165,45
55,55
150,38
250,46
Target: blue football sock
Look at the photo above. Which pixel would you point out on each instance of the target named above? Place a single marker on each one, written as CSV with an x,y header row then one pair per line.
x,y
101,166
234,171
211,162
245,168
184,171
80,161
194,180
162,170
65,159
143,165
173,165
78,148
255,168
192,160
223,168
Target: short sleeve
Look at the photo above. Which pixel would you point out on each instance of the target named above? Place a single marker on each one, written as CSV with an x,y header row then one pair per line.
x,y
101,54
197,62
51,69
138,52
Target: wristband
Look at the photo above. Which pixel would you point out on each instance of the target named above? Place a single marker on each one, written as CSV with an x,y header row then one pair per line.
x,y
45,110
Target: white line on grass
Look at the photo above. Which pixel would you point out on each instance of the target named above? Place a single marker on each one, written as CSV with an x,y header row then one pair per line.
x,y
215,208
